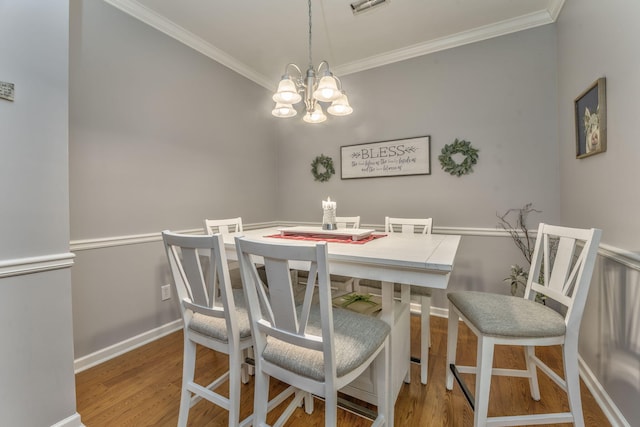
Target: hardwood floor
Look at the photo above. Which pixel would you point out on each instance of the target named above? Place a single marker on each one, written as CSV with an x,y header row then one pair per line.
x,y
142,388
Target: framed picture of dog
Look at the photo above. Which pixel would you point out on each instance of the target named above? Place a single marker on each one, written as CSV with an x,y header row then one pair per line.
x,y
591,120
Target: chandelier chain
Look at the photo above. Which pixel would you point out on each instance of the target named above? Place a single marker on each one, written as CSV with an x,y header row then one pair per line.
x,y
310,59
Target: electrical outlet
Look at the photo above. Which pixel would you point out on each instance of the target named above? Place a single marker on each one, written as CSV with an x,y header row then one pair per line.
x,y
166,292
7,91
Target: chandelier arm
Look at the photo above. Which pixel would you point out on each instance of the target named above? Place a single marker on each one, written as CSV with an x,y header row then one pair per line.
x,y
339,82
291,64
328,70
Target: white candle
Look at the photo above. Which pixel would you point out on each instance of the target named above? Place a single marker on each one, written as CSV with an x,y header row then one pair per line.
x,y
328,204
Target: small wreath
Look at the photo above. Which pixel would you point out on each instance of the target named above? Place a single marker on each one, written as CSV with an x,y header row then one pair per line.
x,y
458,147
325,163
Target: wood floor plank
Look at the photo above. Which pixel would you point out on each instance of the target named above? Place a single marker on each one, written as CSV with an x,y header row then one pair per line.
x,y
142,388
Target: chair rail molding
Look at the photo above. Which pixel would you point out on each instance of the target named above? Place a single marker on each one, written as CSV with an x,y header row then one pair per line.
x,y
134,239
38,264
623,256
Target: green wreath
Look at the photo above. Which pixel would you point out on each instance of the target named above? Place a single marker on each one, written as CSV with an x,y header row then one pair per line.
x,y
320,163
458,147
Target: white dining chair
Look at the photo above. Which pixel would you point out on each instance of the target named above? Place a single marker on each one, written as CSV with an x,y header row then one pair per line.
x,y
313,347
225,226
221,324
343,222
421,226
561,270
214,323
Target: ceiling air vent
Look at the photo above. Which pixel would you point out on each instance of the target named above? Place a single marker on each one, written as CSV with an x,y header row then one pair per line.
x,y
360,6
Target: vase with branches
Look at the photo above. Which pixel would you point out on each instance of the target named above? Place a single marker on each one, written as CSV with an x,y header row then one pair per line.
x,y
514,222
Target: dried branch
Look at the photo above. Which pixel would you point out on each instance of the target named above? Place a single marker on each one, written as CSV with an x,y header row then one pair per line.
x,y
519,232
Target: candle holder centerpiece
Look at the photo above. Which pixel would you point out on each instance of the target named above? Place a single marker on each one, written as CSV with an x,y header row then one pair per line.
x,y
329,215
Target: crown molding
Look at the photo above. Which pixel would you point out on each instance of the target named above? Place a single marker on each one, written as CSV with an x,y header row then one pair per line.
x,y
162,24
555,6
460,39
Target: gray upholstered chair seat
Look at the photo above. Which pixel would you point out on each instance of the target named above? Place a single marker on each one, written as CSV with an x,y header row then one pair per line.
x,y
335,278
508,316
215,327
356,338
415,290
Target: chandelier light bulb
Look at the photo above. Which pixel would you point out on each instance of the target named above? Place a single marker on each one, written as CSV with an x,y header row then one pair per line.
x,y
340,107
284,110
327,90
287,92
315,116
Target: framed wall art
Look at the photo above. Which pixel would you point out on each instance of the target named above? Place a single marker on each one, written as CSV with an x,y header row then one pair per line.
x,y
591,120
410,156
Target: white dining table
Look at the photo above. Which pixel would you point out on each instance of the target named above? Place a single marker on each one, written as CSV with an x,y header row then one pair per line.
x,y
409,259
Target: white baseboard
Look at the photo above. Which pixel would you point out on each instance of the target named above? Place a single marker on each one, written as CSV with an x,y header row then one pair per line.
x,y
72,421
125,346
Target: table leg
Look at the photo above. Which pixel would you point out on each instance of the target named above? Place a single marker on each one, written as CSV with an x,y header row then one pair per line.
x,y
401,363
405,298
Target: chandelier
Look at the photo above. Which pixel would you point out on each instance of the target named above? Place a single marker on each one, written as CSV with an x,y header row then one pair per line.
x,y
318,85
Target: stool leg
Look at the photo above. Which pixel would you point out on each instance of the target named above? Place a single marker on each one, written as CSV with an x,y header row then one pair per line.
x,y
572,378
484,367
188,370
452,343
529,352
425,336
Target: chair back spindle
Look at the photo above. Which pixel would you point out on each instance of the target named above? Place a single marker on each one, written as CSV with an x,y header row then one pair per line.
x,y
408,225
564,260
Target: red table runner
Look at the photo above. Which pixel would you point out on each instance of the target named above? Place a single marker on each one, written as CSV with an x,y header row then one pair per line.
x,y
324,238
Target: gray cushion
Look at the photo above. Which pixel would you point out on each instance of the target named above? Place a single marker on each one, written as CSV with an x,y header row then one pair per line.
x,y
508,316
216,328
415,290
356,338
302,274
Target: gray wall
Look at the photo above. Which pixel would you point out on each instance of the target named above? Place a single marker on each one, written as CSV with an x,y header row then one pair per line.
x,y
35,286
599,39
499,94
161,137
